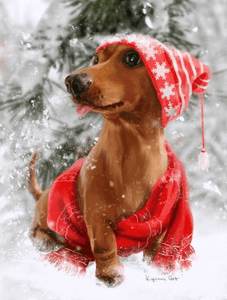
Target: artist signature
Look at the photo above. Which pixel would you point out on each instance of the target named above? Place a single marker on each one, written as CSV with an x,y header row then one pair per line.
x,y
169,278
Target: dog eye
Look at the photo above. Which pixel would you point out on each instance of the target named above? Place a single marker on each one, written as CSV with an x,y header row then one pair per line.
x,y
94,60
132,59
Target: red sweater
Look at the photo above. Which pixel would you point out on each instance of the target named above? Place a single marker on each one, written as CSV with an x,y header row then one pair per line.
x,y
167,209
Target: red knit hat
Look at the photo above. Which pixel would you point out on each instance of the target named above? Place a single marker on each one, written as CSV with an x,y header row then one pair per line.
x,y
175,75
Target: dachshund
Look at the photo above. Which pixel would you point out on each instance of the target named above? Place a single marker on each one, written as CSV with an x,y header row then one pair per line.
x,y
130,156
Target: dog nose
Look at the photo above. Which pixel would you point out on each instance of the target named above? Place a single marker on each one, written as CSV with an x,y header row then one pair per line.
x,y
78,84
68,82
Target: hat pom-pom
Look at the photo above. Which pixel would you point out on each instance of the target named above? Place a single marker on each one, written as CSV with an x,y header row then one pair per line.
x,y
203,160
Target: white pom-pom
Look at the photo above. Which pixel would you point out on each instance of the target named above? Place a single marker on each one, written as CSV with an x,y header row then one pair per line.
x,y
203,160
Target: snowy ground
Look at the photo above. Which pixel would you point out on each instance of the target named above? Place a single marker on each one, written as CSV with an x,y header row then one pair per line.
x,y
24,277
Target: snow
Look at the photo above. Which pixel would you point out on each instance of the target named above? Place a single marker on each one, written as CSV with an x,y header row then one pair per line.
x,y
209,185
24,277
25,11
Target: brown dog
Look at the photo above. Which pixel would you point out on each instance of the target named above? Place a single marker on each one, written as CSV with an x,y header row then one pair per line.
x,y
118,87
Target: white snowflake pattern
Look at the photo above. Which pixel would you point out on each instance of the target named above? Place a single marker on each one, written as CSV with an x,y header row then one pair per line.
x,y
160,70
146,46
150,52
171,111
167,91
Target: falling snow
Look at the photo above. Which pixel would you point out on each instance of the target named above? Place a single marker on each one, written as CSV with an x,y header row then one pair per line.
x,y
23,276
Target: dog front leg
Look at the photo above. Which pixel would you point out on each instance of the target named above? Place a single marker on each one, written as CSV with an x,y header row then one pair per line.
x,y
108,267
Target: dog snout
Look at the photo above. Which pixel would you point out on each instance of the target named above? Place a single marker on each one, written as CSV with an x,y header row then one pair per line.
x,y
68,81
78,84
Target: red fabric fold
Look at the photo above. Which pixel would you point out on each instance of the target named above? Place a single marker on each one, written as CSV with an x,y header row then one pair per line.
x,y
167,210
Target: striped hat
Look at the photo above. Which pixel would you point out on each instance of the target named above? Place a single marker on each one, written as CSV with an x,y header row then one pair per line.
x,y
175,74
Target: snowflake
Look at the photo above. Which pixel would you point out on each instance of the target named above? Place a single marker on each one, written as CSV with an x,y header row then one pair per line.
x,y
171,111
160,70
150,52
167,91
145,45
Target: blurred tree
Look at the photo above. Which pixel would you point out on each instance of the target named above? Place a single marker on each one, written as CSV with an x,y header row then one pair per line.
x,y
208,189
65,40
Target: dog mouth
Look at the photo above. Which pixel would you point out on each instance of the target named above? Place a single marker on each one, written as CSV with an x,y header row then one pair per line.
x,y
111,106
85,107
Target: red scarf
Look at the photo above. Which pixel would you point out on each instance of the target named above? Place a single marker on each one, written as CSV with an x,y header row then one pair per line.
x,y
167,210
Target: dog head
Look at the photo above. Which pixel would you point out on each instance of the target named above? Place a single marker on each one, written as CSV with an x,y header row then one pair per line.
x,y
116,85
130,73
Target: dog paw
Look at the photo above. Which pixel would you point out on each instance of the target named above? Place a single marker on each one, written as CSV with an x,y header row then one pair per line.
x,y
147,256
110,281
48,246
45,241
147,259
110,274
